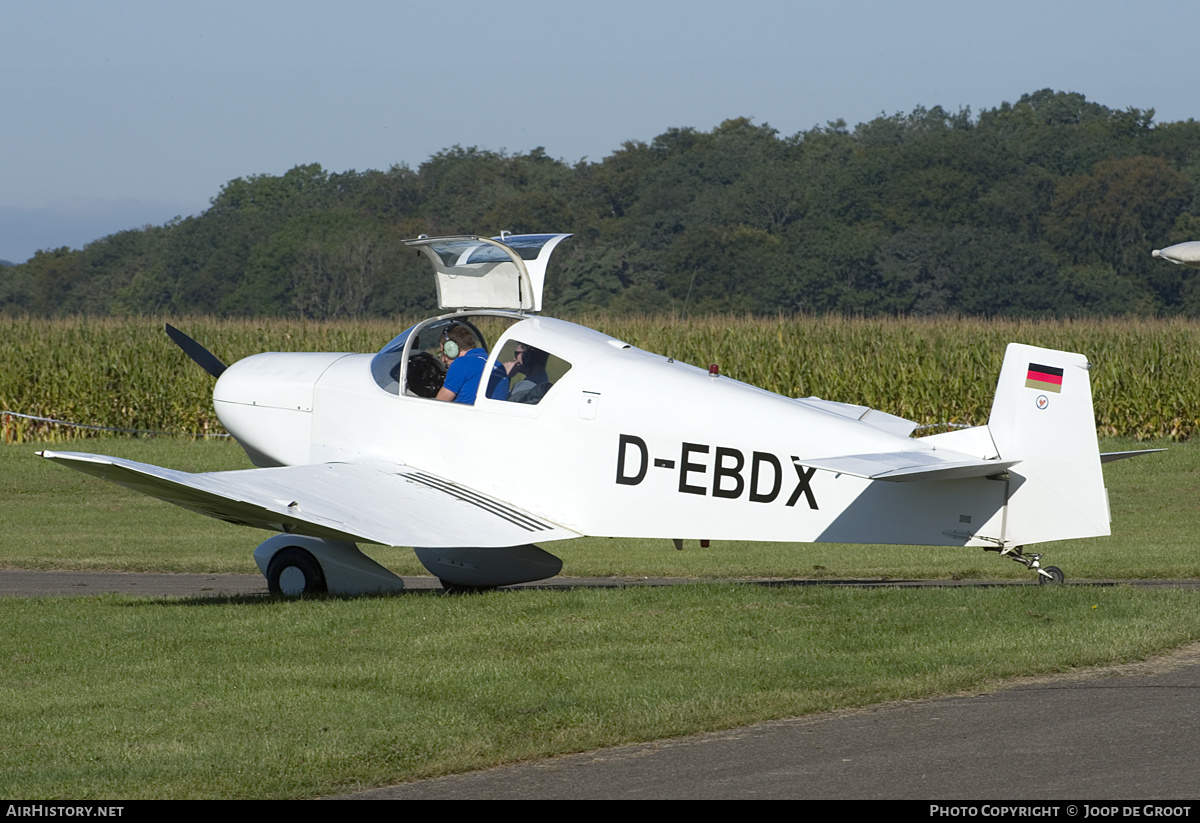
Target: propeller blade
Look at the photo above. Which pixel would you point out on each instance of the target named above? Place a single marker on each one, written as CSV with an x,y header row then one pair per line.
x,y
203,357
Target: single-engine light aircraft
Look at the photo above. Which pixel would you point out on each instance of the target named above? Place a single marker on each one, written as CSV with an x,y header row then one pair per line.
x,y
471,449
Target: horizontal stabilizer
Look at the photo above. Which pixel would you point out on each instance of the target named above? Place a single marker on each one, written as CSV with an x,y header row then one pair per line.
x,y
908,466
385,503
1111,457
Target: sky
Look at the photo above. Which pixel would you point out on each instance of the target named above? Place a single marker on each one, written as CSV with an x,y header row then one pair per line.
x,y
115,114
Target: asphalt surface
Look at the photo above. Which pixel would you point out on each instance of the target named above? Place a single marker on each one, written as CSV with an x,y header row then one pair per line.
x,y
1122,733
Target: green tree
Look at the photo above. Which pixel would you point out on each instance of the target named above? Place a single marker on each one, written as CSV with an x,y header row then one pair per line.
x,y
964,270
326,265
1116,214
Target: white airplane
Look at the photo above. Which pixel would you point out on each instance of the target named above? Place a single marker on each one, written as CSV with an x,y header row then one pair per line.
x,y
614,441
1181,254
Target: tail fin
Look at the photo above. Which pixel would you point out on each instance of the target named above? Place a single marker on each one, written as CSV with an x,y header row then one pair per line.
x,y
1042,415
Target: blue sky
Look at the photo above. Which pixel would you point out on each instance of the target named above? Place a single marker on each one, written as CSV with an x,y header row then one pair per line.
x,y
121,113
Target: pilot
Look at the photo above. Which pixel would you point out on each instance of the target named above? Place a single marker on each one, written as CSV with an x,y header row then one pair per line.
x,y
465,363
531,363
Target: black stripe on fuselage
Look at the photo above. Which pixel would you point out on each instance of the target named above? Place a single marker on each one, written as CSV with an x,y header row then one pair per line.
x,y
514,516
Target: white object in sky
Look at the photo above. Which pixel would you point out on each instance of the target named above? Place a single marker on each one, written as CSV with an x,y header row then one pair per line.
x,y
618,442
1183,254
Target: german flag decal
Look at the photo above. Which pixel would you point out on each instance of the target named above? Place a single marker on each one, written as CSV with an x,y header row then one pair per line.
x,y
1044,378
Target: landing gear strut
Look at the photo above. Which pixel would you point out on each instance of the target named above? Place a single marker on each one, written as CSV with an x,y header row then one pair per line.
x,y
1031,561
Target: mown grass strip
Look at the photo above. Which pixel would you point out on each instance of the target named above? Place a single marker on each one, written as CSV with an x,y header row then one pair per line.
x,y
116,697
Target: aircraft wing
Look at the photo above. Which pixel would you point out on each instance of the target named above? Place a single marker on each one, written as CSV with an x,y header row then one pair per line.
x,y
908,466
386,503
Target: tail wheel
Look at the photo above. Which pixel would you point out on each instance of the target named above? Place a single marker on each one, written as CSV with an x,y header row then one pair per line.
x,y
293,572
1051,574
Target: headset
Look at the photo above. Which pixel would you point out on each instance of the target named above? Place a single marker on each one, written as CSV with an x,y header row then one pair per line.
x,y
449,347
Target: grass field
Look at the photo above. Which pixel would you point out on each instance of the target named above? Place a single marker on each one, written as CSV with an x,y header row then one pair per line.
x,y
124,697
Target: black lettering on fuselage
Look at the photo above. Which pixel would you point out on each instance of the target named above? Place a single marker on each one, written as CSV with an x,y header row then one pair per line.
x,y
802,486
722,471
756,461
686,466
622,444
729,480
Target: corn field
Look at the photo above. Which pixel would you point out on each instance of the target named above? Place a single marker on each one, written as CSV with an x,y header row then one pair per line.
x,y
127,374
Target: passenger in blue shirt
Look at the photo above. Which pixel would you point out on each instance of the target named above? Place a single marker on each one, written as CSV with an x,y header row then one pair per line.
x,y
465,368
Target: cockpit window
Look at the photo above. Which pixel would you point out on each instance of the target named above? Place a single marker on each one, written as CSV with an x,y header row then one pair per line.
x,y
427,360
461,251
527,246
416,356
385,366
532,372
397,342
426,371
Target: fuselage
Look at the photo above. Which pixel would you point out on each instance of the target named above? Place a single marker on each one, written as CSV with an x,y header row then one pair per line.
x,y
626,443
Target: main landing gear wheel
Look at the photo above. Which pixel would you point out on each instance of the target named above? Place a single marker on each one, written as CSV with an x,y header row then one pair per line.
x,y
293,572
1051,574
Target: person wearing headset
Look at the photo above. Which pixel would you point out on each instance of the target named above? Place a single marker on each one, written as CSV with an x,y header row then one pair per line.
x,y
464,368
530,363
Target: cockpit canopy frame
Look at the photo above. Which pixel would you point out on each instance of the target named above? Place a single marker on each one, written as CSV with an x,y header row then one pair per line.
x,y
506,272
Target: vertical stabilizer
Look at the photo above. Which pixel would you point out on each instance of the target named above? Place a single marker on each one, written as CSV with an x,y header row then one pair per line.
x,y
1042,415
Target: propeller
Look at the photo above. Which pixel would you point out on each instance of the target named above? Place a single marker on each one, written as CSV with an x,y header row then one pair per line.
x,y
203,357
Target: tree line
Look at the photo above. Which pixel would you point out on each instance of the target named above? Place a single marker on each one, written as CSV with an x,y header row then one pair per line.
x,y
1049,206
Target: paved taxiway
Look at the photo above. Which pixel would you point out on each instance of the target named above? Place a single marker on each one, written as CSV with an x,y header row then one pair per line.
x,y
1127,732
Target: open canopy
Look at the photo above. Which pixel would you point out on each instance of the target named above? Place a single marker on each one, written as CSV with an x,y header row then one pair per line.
x,y
506,272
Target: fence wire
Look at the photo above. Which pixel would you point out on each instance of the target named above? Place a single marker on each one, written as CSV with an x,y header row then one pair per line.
x,y
6,414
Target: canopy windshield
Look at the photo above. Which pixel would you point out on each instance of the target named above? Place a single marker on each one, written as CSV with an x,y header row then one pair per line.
x,y
506,272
